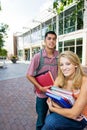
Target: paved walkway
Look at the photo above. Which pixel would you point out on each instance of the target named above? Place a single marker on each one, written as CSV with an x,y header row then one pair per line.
x,y
17,100
13,70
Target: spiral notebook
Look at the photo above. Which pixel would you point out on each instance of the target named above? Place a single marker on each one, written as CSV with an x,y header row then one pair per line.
x,y
44,79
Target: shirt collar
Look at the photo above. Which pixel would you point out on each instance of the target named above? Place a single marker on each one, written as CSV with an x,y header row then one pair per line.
x,y
44,53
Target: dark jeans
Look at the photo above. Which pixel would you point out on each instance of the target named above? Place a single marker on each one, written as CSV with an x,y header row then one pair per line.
x,y
57,122
41,109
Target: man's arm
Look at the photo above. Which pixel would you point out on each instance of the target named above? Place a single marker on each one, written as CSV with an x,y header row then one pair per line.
x,y
37,85
33,81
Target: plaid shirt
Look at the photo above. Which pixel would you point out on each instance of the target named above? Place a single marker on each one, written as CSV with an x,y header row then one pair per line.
x,y
47,66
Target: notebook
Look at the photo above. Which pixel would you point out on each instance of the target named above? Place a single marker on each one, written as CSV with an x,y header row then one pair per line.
x,y
63,102
44,79
61,90
69,98
61,96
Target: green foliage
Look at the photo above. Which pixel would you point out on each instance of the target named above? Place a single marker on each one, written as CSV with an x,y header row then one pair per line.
x,y
3,34
3,28
1,41
3,52
14,57
59,5
0,5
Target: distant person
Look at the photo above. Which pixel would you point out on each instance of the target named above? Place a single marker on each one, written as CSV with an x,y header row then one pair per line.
x,y
49,55
72,78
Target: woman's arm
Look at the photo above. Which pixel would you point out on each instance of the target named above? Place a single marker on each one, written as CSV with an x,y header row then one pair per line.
x,y
77,108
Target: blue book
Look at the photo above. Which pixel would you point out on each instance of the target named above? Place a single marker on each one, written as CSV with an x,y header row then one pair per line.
x,y
63,102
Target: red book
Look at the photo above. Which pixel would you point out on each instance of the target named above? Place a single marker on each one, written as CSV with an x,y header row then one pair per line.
x,y
44,79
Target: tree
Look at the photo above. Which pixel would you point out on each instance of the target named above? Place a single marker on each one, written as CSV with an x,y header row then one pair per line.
x,y
3,34
59,5
72,17
3,52
0,5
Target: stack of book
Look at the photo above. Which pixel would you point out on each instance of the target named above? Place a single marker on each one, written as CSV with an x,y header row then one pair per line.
x,y
63,97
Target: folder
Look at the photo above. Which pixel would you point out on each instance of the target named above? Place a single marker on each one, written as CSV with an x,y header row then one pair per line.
x,y
44,79
65,98
63,102
69,98
61,96
64,91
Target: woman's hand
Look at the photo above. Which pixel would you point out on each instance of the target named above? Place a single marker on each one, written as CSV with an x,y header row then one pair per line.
x,y
52,105
49,102
55,105
79,118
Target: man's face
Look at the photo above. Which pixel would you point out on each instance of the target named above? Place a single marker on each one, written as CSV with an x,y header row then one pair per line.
x,y
50,41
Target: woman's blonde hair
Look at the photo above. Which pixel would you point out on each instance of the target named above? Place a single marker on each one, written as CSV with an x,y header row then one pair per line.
x,y
74,59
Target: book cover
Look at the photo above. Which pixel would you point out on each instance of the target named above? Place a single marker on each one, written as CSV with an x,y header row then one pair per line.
x,y
44,79
69,98
61,96
63,102
61,90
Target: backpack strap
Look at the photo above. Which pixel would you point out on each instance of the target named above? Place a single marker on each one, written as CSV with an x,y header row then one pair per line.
x,y
41,62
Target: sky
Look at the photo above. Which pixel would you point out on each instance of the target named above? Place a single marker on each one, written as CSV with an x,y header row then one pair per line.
x,y
17,13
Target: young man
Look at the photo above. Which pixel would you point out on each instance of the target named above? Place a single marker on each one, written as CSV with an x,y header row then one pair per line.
x,y
50,56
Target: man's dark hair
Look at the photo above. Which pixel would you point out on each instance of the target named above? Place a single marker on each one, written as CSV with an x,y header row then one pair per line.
x,y
50,32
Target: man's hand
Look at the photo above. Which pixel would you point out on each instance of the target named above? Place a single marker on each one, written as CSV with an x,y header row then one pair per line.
x,y
44,89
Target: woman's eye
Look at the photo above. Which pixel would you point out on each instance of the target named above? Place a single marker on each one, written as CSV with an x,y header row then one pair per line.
x,y
61,64
67,63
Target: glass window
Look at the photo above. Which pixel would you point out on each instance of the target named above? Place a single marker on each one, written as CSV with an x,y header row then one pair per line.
x,y
72,20
79,20
69,11
72,49
60,47
69,20
66,22
66,49
60,44
61,15
54,27
79,52
69,43
79,41
60,50
61,26
70,46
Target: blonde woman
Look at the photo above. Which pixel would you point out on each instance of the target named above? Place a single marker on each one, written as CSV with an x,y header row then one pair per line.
x,y
72,78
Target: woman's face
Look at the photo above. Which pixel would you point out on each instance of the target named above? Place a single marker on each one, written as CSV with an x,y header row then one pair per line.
x,y
67,68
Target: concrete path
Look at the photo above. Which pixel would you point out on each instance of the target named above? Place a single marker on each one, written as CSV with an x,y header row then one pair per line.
x,y
13,71
17,100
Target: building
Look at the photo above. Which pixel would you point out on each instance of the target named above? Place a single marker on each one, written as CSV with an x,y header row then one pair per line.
x,y
70,28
